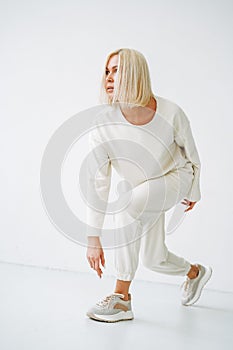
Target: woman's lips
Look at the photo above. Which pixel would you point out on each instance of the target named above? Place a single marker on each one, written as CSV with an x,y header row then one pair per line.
x,y
110,89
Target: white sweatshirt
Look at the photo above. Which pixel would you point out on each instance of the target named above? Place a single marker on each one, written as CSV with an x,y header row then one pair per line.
x,y
137,153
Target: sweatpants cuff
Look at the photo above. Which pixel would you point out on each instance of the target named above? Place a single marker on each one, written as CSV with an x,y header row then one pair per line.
x,y
125,276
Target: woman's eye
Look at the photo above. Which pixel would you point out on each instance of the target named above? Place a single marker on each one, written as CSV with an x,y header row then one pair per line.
x,y
107,71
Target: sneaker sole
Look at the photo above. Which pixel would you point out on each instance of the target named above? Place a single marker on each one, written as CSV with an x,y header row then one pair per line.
x,y
202,283
121,316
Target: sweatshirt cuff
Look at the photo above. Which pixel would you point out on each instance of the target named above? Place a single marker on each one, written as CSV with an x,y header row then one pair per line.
x,y
194,195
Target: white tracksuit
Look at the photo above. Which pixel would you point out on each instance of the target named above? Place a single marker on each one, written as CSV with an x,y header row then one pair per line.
x,y
160,165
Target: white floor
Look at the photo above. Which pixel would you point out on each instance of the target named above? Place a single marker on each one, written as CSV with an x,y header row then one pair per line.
x,y
44,309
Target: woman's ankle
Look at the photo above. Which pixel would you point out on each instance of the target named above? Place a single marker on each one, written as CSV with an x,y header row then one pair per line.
x,y
193,272
122,287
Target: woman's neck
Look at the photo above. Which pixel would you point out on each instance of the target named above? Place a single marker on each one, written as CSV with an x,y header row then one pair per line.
x,y
140,115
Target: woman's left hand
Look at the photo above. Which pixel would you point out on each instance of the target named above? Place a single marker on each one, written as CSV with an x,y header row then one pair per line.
x,y
189,204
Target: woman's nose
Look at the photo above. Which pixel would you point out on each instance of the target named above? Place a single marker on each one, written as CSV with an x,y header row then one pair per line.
x,y
109,77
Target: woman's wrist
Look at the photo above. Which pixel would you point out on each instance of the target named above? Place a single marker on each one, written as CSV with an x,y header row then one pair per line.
x,y
94,241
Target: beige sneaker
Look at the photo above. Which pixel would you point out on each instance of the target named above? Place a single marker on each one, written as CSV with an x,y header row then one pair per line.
x,y
192,288
112,309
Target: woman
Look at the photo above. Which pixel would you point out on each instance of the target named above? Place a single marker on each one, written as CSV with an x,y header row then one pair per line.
x,y
127,87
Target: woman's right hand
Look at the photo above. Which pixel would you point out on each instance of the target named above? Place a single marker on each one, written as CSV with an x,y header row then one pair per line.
x,y
95,254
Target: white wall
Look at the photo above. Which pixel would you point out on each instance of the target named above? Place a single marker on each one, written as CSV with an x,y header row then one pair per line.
x,y
52,54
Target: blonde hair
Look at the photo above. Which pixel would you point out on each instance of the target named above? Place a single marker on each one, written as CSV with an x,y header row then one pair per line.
x,y
132,82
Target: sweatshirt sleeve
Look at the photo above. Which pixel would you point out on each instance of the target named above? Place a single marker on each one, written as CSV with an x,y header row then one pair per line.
x,y
99,173
184,138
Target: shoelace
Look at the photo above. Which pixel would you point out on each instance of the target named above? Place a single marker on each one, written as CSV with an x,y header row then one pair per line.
x,y
104,302
186,284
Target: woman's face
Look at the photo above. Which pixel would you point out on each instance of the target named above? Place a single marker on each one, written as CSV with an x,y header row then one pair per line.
x,y
111,71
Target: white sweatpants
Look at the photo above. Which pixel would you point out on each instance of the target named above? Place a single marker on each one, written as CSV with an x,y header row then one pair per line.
x,y
141,227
